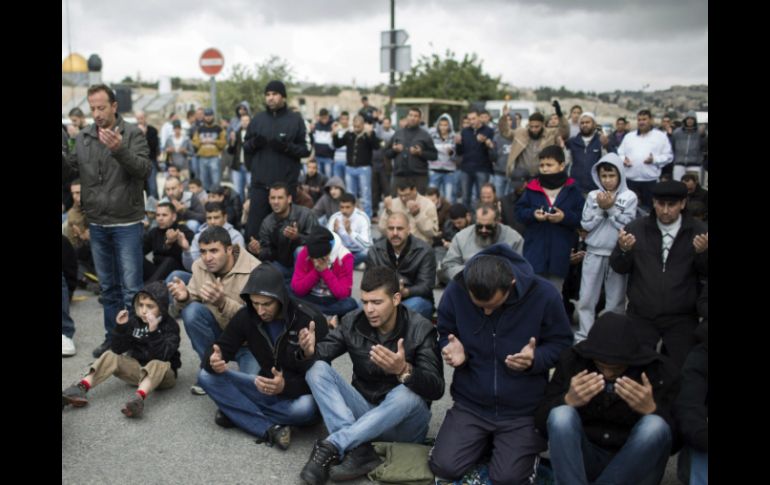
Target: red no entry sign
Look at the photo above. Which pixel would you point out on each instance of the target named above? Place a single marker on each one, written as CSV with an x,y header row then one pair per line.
x,y
212,61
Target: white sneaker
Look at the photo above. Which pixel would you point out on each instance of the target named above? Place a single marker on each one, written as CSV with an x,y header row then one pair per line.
x,y
361,266
67,346
197,390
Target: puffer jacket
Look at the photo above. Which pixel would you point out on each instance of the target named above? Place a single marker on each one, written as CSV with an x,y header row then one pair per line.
x,y
111,183
355,336
135,339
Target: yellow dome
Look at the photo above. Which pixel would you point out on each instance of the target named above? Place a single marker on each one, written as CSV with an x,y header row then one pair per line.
x,y
74,63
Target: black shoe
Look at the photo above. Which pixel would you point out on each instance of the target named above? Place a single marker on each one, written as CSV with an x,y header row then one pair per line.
x,y
277,435
357,462
222,420
316,470
104,347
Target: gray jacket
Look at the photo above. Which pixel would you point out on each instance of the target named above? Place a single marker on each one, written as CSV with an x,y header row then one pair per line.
x,y
326,206
464,246
603,226
112,183
687,144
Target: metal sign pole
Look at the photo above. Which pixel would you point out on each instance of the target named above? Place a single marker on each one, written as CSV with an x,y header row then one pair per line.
x,y
214,96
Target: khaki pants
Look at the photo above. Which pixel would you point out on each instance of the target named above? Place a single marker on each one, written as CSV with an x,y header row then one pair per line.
x,y
129,370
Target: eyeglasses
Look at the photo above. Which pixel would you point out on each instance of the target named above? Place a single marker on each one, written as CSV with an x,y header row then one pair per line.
x,y
488,227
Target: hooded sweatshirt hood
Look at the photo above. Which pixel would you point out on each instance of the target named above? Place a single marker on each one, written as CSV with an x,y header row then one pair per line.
x,y
615,160
158,291
246,105
334,182
612,340
265,280
694,116
445,116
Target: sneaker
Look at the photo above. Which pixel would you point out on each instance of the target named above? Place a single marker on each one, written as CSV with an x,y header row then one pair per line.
x,y
104,347
222,420
197,390
316,470
357,462
67,346
133,407
361,266
75,395
277,435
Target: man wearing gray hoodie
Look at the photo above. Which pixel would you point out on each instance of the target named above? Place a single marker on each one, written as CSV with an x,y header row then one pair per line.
x,y
687,144
607,210
442,170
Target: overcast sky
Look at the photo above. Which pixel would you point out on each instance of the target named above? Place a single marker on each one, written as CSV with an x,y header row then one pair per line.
x,y
590,45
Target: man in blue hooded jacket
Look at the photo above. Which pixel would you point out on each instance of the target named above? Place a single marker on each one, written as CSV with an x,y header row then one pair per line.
x,y
501,327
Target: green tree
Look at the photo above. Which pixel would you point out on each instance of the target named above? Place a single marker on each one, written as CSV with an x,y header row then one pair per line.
x,y
450,78
249,84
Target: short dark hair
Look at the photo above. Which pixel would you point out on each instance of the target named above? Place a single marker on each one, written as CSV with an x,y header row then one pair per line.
x,y
433,191
644,112
483,112
552,151
77,112
415,108
696,208
166,204
312,160
623,119
537,116
380,277
323,112
486,274
347,197
404,184
215,207
214,234
364,98
75,182
279,186
172,177
197,182
473,111
607,166
457,211
688,176
344,113
576,106
102,87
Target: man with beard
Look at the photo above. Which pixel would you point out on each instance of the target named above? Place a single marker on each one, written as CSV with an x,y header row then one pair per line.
x,y
529,141
411,148
472,240
164,241
586,150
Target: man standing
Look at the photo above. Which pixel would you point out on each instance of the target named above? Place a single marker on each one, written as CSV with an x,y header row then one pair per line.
x,y
276,139
397,372
501,327
529,141
586,150
360,143
411,148
323,143
664,255
112,160
209,140
475,144
419,210
153,143
687,143
616,138
644,153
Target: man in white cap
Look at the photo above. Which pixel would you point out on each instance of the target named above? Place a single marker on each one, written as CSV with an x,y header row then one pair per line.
x,y
586,150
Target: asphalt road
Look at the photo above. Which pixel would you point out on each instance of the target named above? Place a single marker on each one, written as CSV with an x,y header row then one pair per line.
x,y
177,441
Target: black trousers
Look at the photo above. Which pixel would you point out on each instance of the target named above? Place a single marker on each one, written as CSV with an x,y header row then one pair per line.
x,y
380,186
677,333
259,208
464,438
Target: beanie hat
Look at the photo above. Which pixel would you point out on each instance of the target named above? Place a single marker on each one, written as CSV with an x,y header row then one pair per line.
x,y
319,242
277,87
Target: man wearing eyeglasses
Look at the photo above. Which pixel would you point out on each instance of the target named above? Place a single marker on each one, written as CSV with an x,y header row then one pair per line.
x,y
471,240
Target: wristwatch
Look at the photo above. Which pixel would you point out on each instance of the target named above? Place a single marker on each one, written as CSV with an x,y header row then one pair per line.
x,y
406,375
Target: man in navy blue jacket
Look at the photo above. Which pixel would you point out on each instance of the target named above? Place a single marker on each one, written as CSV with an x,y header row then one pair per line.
x,y
501,327
476,144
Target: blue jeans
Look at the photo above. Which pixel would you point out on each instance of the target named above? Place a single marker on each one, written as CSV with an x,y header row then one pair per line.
x,y
182,275
444,182
339,169
402,416
117,253
67,325
203,330
193,225
501,184
241,178
211,171
420,305
152,181
699,467
326,166
359,257
239,399
329,305
576,461
358,181
471,183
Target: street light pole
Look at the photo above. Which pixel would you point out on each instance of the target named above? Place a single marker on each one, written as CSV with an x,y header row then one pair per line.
x,y
392,86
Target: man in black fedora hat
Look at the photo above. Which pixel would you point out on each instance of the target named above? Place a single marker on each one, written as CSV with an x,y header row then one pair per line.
x,y
607,409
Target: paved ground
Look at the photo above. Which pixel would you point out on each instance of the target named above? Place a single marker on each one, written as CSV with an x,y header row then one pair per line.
x,y
176,441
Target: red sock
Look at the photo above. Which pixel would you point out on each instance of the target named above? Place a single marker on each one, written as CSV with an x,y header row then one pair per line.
x,y
141,393
86,384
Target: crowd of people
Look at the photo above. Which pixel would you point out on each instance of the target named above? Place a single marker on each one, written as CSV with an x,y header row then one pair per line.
x,y
574,265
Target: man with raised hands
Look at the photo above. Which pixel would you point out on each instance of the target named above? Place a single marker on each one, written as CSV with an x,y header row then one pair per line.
x,y
501,327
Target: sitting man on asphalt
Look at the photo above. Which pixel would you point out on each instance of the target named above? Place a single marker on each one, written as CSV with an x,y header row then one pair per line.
x,y
164,241
412,259
189,209
353,226
420,211
266,404
213,296
397,372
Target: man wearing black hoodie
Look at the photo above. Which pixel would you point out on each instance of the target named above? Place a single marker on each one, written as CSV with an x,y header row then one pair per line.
x,y
264,405
411,148
276,140
501,327
607,409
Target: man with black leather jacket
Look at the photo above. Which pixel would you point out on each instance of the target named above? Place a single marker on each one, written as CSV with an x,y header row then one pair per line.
x,y
397,372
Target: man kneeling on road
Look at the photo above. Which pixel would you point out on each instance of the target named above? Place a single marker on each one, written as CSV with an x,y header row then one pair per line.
x,y
397,372
266,404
